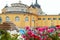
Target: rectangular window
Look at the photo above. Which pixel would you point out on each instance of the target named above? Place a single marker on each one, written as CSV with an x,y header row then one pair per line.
x,y
58,18
54,18
39,18
49,18
43,18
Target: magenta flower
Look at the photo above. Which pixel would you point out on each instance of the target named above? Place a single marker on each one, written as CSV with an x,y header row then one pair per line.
x,y
46,27
41,29
29,33
37,28
50,30
45,38
41,39
57,25
27,28
23,36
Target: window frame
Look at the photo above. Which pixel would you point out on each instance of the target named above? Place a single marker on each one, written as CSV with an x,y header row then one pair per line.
x,y
44,18
58,18
54,18
26,19
7,18
39,18
17,18
49,18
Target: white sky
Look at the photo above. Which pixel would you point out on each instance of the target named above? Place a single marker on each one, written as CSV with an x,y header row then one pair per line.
x,y
48,6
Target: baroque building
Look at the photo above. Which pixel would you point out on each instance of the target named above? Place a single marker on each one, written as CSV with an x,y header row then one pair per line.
x,y
23,15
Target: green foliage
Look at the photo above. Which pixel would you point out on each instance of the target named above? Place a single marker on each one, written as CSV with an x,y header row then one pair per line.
x,y
4,35
54,36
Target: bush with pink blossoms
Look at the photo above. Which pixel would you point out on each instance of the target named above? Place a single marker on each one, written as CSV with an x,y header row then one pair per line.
x,y
42,33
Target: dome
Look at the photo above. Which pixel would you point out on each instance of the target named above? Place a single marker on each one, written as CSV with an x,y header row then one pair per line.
x,y
37,5
6,6
32,5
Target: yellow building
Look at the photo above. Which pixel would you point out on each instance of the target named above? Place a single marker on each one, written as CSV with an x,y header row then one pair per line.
x,y
23,15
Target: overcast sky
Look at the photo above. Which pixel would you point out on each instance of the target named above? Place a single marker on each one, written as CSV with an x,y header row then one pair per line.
x,y
48,6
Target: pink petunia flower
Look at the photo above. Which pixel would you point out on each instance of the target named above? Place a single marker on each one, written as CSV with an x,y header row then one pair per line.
x,y
27,28
41,29
23,36
46,27
50,30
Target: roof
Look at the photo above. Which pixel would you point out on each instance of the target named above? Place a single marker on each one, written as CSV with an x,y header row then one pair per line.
x,y
37,5
16,12
18,4
6,6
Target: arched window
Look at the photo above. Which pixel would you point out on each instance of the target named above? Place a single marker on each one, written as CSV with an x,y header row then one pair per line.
x,y
7,18
17,18
26,19
0,19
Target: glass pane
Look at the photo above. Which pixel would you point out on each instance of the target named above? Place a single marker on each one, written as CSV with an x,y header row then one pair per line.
x,y
39,18
26,19
43,18
59,18
49,18
54,18
7,18
17,18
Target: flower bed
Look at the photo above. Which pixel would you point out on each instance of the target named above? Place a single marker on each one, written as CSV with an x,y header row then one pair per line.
x,y
42,33
39,33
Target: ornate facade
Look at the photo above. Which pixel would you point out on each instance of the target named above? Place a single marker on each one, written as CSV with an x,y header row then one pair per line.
x,y
23,15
